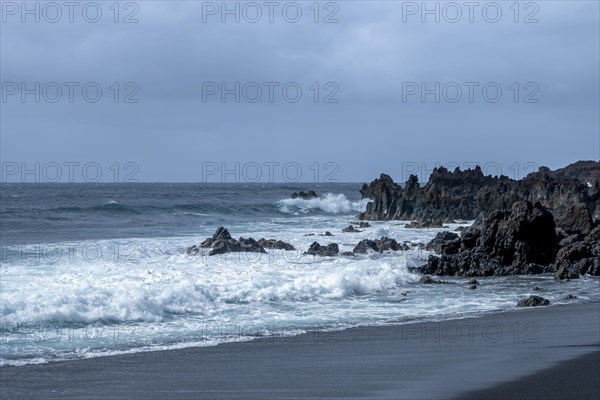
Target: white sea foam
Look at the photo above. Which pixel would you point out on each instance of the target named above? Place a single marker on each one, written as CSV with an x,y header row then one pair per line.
x,y
330,202
163,298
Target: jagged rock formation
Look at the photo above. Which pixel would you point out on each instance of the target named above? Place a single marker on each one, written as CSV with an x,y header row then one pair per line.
x,y
275,244
425,224
379,245
580,257
444,243
316,249
466,194
520,241
221,242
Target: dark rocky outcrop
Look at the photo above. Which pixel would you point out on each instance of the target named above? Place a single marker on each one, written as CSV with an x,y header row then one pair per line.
x,y
379,245
533,301
275,244
327,233
316,249
464,195
425,224
311,194
364,225
222,242
220,234
350,229
575,220
520,241
443,242
580,257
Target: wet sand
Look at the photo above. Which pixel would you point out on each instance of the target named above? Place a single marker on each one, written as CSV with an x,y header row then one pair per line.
x,y
526,353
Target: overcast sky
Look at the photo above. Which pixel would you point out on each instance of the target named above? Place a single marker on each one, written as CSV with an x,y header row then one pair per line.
x,y
362,68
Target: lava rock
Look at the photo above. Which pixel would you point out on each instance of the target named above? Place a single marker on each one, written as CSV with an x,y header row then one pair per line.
x,y
429,280
533,301
275,244
350,229
520,241
220,234
443,240
379,245
316,249
579,258
464,195
311,194
221,242
575,219
425,224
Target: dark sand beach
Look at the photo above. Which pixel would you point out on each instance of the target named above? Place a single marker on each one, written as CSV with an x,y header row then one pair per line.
x,y
545,353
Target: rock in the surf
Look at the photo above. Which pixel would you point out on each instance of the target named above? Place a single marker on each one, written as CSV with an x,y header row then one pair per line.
x,y
222,242
275,244
311,194
533,301
316,249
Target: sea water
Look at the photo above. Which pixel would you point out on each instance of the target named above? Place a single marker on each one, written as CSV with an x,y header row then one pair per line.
x,y
90,270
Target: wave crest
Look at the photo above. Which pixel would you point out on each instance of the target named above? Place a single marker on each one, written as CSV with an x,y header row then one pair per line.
x,y
330,203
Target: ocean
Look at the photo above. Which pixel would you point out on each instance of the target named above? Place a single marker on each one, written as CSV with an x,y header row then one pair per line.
x,y
90,270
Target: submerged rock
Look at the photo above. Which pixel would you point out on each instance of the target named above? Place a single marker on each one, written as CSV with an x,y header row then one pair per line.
x,y
429,280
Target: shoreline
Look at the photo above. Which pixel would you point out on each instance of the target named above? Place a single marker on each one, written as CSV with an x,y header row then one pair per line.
x,y
416,360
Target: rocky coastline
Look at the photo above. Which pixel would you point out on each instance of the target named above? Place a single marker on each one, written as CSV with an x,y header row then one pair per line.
x,y
548,222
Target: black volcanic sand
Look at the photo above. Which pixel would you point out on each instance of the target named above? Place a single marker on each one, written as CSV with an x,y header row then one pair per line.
x,y
540,353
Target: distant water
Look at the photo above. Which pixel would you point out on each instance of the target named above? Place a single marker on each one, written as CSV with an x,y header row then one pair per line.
x,y
97,269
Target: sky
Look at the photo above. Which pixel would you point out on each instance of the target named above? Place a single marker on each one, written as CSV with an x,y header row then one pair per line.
x,y
191,91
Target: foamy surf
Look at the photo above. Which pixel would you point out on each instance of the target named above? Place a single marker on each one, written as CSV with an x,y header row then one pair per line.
x,y
329,203
134,289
